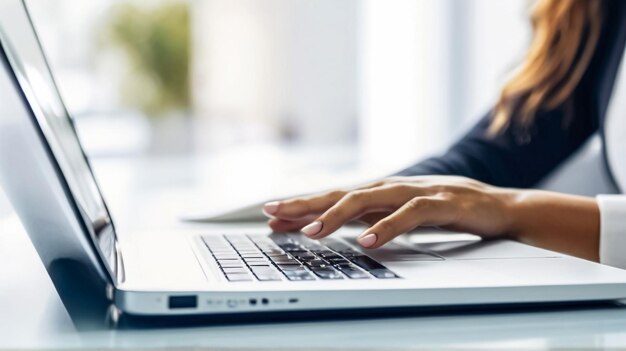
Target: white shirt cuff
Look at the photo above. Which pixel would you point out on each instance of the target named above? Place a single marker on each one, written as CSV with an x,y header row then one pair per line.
x,y
612,230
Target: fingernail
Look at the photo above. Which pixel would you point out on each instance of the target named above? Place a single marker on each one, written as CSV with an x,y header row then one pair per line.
x,y
271,207
312,228
367,240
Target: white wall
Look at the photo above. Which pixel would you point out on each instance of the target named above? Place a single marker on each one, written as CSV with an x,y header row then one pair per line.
x,y
275,67
498,36
429,69
403,80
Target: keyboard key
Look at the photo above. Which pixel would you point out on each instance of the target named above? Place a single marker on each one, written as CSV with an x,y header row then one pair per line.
x,y
291,247
304,256
353,272
244,253
314,247
268,277
280,238
383,273
328,255
299,275
366,263
326,273
291,267
234,264
285,260
263,269
350,253
279,256
336,245
316,263
223,252
230,270
226,256
338,261
254,258
272,251
259,264
212,240
239,277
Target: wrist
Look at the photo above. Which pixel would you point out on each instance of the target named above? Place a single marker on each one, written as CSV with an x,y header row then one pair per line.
x,y
561,222
529,208
516,205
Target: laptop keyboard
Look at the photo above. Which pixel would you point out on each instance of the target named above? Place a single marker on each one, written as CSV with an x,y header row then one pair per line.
x,y
282,256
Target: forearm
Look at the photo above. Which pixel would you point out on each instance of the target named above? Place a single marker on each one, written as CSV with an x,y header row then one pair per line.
x,y
564,223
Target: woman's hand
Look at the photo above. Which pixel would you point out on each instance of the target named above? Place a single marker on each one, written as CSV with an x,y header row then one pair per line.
x,y
397,205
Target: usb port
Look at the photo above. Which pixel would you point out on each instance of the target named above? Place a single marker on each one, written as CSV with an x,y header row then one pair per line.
x,y
183,301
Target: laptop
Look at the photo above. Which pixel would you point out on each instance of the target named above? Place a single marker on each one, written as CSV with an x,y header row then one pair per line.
x,y
237,269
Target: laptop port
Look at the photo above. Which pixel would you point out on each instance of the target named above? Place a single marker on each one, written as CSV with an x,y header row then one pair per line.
x,y
265,301
253,302
183,301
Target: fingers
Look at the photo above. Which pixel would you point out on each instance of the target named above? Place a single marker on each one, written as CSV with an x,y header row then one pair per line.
x,y
371,218
419,211
280,225
354,205
300,207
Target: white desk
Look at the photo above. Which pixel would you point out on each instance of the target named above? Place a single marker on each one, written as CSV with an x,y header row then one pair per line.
x,y
31,313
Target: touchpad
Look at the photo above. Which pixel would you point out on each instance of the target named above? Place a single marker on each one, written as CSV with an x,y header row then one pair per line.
x,y
438,245
471,247
394,251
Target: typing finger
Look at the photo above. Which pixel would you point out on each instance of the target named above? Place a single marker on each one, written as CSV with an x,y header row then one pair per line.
x,y
356,204
419,211
300,207
280,225
371,218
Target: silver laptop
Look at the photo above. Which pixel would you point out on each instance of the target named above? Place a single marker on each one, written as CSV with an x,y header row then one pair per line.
x,y
236,269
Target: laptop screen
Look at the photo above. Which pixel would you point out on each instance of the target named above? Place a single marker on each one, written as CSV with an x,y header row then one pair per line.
x,y
31,68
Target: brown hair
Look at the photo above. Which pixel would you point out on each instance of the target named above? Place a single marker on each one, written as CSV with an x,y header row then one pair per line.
x,y
565,36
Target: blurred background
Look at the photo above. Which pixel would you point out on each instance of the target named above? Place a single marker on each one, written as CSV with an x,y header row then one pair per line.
x,y
175,76
376,84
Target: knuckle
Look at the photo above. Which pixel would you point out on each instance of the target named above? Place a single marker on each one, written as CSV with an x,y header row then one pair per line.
x,y
446,195
300,205
379,183
357,197
439,188
418,203
390,180
404,187
400,179
336,194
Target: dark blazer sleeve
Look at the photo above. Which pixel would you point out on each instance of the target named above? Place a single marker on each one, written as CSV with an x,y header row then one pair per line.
x,y
518,159
513,158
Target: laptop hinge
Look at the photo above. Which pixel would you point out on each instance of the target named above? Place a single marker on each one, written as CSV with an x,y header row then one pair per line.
x,y
119,264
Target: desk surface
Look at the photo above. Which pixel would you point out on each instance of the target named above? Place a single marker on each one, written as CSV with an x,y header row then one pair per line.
x,y
32,314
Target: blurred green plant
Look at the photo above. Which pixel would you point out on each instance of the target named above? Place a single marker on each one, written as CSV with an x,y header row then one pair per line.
x,y
156,40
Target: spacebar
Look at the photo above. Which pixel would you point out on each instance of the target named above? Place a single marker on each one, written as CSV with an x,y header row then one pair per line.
x,y
366,263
